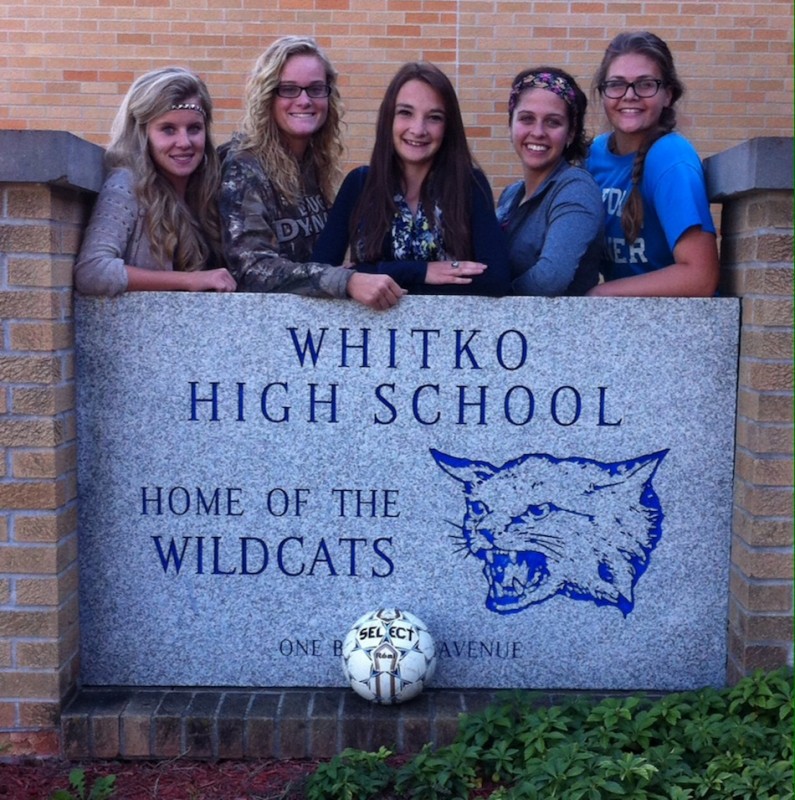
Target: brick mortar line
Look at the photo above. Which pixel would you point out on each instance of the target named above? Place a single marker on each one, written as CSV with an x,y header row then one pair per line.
x,y
772,550
246,714
764,456
760,583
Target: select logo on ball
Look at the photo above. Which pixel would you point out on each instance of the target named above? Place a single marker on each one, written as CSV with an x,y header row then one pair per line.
x,y
388,656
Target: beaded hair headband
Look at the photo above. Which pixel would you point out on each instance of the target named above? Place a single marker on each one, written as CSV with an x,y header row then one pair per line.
x,y
556,84
189,107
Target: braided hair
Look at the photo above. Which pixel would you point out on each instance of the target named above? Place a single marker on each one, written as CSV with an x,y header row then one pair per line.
x,y
654,48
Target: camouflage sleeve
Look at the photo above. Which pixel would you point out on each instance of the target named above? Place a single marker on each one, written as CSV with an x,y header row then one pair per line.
x,y
248,209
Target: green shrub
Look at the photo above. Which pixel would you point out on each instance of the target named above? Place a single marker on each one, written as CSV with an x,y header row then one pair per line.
x,y
713,744
450,772
352,775
102,789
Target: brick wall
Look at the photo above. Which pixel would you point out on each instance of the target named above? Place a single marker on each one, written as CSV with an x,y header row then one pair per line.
x,y
37,561
67,67
757,265
40,228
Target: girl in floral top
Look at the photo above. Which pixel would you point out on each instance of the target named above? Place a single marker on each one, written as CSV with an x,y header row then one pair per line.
x,y
422,212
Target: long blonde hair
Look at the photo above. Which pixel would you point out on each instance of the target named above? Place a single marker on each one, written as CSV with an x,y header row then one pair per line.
x,y
260,133
187,232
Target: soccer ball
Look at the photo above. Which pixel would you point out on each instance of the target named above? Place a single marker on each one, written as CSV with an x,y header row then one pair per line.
x,y
388,656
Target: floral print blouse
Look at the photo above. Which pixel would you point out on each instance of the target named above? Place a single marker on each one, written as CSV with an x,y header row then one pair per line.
x,y
415,237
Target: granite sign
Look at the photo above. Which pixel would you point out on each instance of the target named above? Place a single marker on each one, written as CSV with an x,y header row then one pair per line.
x,y
547,483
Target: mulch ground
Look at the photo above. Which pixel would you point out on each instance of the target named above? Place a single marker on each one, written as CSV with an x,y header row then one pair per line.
x,y
163,780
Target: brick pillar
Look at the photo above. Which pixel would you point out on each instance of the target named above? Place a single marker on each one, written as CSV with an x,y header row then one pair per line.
x,y
47,180
754,182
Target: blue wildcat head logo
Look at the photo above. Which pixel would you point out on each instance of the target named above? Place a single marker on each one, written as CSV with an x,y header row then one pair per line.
x,y
546,526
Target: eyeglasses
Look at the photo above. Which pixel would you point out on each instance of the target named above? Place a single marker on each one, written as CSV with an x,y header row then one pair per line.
x,y
645,87
314,90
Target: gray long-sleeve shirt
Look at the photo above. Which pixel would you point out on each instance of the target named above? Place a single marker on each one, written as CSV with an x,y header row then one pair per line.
x,y
116,235
555,238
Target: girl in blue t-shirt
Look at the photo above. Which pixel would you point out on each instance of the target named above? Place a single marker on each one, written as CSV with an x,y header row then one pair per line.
x,y
659,234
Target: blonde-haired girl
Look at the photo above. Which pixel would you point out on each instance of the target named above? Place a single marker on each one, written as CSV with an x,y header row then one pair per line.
x,y
279,176
155,223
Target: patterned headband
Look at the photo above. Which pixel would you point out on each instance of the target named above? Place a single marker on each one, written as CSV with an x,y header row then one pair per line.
x,y
556,84
189,107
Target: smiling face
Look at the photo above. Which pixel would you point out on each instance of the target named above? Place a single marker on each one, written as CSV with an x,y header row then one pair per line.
x,y
419,125
633,117
176,144
299,118
540,132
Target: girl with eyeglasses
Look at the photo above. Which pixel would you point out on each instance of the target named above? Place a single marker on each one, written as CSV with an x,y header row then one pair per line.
x,y
278,179
155,226
553,217
660,237
422,212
